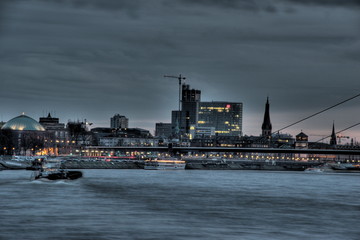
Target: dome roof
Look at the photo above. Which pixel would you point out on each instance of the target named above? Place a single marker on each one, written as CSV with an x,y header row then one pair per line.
x,y
23,122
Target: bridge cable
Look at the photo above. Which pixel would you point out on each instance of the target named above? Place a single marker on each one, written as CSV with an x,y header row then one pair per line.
x,y
338,132
318,113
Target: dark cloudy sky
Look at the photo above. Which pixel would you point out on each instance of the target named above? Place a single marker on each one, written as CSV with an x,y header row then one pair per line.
x,y
90,59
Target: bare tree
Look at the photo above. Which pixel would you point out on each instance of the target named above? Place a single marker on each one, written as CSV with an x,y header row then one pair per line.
x,y
6,142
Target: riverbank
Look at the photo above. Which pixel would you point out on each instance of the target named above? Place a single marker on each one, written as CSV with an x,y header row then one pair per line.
x,y
201,164
191,164
88,164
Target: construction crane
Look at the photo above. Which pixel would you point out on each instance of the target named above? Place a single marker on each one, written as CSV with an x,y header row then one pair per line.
x,y
340,137
180,78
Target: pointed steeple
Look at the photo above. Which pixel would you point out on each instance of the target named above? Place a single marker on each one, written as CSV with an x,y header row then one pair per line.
x,y
333,136
266,126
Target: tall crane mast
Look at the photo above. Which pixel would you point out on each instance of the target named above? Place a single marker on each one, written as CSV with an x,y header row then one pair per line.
x,y
180,78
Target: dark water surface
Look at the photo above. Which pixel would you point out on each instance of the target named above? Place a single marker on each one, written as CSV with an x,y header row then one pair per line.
x,y
140,204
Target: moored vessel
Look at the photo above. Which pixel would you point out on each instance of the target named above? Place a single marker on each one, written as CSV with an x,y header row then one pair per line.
x,y
164,164
346,167
314,170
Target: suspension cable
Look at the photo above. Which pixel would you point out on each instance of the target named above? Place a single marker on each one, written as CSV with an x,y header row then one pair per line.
x,y
318,113
339,132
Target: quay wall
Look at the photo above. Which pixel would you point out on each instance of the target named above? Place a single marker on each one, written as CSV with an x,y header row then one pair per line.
x,y
250,165
102,164
197,165
193,164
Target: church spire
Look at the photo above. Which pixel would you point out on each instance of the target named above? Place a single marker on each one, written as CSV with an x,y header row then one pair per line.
x,y
266,126
333,136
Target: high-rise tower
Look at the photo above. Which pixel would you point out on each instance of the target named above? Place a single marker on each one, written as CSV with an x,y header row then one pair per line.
x,y
190,102
189,113
118,121
266,126
225,117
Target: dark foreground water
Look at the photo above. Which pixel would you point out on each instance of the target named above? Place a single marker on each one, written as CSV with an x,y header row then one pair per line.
x,y
140,204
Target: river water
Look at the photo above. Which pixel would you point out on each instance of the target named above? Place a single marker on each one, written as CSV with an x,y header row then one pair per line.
x,y
185,204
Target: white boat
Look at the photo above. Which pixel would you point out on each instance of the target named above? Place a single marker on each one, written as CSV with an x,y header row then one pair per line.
x,y
319,169
314,170
20,162
10,164
21,158
164,164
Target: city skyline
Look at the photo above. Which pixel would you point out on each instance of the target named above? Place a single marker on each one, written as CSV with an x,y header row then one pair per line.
x,y
92,60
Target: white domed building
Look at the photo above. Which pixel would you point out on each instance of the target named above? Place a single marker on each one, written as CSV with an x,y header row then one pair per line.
x,y
23,123
23,134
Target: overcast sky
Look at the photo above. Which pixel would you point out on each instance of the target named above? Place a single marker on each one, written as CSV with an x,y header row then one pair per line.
x,y
90,59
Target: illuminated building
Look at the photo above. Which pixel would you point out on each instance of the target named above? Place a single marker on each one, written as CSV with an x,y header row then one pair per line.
x,y
118,121
56,134
23,135
52,124
196,131
190,103
225,117
190,107
23,123
123,137
302,141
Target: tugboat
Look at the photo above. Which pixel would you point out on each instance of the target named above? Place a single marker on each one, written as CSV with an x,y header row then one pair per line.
x,y
53,171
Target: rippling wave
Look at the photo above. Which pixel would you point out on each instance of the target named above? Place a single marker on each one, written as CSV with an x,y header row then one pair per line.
x,y
140,204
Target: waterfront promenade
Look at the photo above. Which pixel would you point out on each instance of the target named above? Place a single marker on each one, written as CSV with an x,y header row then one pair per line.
x,y
199,164
203,158
191,164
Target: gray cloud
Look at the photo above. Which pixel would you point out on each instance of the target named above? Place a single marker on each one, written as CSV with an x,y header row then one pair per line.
x,y
248,5
130,7
87,59
133,6
103,4
336,3
3,6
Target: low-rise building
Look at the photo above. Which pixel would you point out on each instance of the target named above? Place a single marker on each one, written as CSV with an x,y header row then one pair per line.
x,y
163,130
198,132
